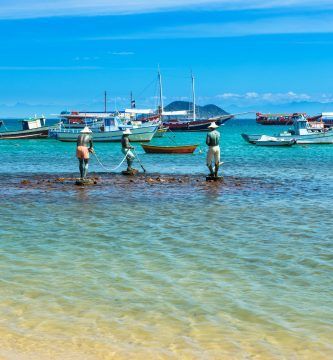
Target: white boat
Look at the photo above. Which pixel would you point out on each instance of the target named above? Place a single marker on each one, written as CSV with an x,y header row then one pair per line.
x,y
80,119
302,133
110,131
251,138
265,140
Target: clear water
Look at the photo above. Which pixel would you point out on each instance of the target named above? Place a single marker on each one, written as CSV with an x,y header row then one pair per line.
x,y
169,272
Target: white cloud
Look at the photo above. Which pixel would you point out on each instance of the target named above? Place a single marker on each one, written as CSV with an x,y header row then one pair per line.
x,y
268,25
252,95
47,68
229,96
123,53
266,98
17,9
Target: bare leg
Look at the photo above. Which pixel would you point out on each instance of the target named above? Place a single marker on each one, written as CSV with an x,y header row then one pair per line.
x,y
85,168
216,169
210,167
129,163
81,166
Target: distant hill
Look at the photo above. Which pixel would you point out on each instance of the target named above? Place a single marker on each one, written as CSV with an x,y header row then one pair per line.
x,y
210,110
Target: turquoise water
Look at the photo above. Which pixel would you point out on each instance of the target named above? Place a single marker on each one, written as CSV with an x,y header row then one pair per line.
x,y
169,272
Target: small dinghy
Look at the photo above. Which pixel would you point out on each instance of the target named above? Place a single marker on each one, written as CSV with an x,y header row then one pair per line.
x,y
265,140
176,149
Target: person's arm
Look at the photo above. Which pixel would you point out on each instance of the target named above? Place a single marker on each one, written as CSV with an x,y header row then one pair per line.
x,y
91,145
208,140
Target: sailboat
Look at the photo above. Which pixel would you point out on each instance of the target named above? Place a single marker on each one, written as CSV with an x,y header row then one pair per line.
x,y
189,122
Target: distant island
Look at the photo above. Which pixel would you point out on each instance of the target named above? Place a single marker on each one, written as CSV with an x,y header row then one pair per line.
x,y
206,111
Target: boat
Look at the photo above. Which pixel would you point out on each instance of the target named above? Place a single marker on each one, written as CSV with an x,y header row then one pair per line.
x,y
303,133
287,119
195,125
111,131
174,149
183,120
33,128
326,118
274,119
80,119
251,138
265,140
161,131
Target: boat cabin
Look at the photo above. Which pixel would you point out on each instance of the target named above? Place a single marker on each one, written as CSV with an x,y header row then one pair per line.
x,y
34,123
111,123
301,125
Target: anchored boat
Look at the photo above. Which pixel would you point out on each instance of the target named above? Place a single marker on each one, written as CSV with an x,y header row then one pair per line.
x,y
174,149
274,119
188,121
110,131
161,131
80,119
325,117
265,140
33,128
302,133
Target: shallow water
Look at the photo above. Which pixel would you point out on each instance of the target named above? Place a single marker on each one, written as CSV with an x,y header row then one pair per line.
x,y
168,272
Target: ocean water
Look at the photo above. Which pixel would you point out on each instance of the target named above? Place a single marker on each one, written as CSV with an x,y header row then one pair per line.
x,y
168,272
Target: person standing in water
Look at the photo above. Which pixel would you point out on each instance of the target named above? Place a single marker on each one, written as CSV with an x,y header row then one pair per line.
x,y
126,148
82,150
213,142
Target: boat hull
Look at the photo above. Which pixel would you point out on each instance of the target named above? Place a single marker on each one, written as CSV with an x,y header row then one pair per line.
x,y
39,133
160,132
144,134
185,149
250,138
277,143
311,139
274,119
323,138
283,122
198,125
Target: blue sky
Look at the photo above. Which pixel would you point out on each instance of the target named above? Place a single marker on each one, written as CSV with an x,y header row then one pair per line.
x,y
253,54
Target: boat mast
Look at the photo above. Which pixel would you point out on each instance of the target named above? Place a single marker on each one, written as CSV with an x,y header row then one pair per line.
x,y
193,98
161,91
105,101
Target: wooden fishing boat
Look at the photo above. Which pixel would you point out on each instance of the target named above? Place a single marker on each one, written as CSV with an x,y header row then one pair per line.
x,y
174,149
34,128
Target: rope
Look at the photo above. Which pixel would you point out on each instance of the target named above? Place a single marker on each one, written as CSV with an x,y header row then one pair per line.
x,y
113,169
3,124
137,157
